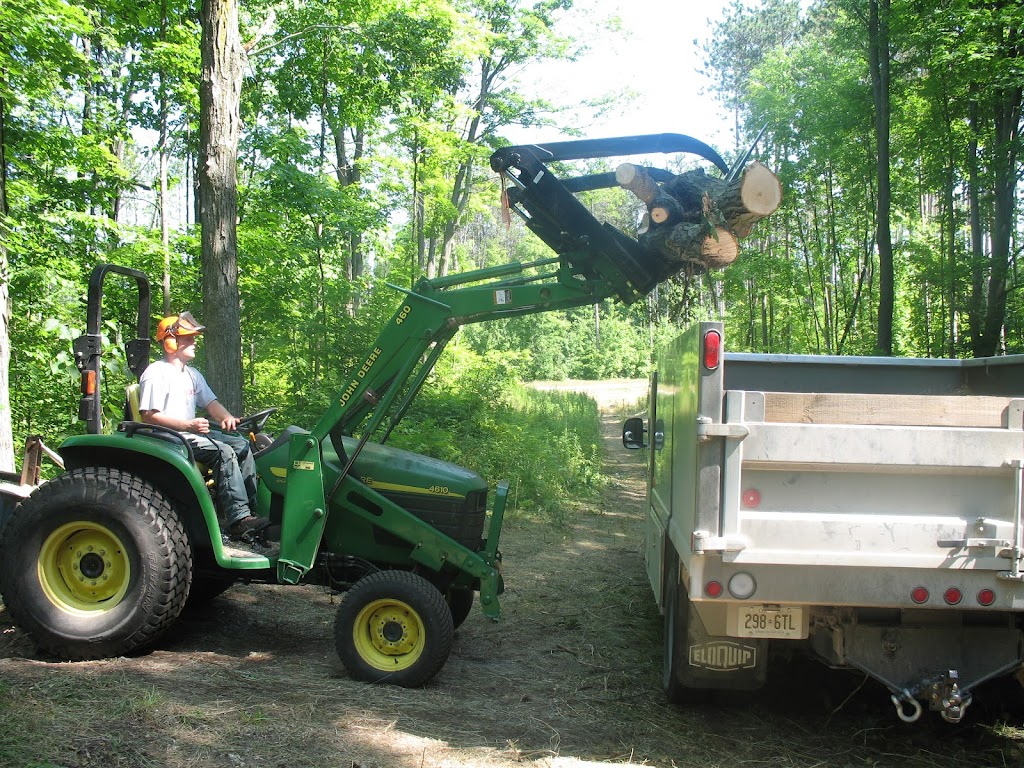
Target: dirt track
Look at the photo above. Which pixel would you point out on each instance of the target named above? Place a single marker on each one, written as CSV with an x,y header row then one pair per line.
x,y
570,676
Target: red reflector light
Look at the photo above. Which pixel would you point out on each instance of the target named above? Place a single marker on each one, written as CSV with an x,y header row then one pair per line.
x,y
712,349
919,595
713,589
986,597
751,498
953,596
88,382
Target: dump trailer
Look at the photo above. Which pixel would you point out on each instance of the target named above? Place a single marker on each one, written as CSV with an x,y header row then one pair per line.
x,y
863,510
101,560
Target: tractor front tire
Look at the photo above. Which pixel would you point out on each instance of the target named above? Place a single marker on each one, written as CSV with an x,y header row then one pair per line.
x,y
94,564
393,627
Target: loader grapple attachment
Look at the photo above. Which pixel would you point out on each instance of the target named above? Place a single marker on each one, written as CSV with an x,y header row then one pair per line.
x,y
549,207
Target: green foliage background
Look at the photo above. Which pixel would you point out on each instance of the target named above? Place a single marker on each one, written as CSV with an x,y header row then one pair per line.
x,y
362,166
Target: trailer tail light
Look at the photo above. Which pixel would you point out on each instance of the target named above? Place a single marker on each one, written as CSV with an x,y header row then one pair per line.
x,y
713,589
712,349
986,597
751,498
88,382
919,595
952,596
742,585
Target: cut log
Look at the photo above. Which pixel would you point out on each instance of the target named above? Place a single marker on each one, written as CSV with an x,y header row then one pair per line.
x,y
739,203
758,194
693,219
661,206
691,243
635,179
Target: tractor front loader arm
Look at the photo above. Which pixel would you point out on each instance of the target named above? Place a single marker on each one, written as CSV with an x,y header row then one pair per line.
x,y
592,261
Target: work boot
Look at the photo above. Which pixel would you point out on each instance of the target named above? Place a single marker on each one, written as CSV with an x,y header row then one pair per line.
x,y
248,528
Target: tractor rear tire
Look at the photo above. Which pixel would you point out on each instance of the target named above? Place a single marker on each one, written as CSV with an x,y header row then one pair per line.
x,y
393,627
94,564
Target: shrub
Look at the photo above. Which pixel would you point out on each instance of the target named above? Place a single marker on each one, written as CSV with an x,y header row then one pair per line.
x,y
478,415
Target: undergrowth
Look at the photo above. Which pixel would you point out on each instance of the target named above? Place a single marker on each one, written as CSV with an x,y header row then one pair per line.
x,y
546,444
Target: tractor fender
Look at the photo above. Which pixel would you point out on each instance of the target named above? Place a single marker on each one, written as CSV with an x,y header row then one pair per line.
x,y
163,464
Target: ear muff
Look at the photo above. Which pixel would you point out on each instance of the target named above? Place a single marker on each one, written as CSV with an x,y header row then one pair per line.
x,y
177,325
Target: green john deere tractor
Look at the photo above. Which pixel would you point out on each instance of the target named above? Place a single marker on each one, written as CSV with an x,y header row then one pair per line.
x,y
102,559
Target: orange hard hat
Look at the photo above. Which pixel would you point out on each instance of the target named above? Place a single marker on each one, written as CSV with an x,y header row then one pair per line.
x,y
173,326
178,325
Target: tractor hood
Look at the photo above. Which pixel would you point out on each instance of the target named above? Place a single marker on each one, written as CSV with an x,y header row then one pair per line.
x,y
383,468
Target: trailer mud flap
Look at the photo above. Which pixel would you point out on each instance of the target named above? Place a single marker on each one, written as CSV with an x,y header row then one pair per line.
x,y
695,660
724,663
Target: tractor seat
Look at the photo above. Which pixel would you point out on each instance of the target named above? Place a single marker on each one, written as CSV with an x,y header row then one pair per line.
x,y
132,412
131,403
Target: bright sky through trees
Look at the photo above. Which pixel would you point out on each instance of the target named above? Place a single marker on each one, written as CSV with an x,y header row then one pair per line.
x,y
656,52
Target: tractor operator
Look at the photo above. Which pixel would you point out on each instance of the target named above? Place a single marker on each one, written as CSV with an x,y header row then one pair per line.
x,y
169,391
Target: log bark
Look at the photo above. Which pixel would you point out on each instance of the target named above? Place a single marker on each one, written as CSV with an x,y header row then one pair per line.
x,y
661,206
694,243
693,219
739,203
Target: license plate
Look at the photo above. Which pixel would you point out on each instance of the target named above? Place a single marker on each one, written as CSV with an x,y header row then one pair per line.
x,y
758,621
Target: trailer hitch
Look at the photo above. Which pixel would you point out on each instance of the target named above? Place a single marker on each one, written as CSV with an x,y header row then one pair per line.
x,y
948,698
945,697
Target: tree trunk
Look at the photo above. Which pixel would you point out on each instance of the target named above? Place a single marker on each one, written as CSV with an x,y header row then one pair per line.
x,y
6,428
164,227
976,306
220,88
1007,114
878,54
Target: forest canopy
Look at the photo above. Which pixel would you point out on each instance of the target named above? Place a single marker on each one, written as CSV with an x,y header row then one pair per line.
x,y
364,133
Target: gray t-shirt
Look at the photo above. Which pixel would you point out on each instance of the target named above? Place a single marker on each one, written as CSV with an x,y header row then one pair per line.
x,y
172,392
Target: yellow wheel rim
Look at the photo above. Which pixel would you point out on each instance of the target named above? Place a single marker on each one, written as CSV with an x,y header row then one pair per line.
x,y
83,567
389,635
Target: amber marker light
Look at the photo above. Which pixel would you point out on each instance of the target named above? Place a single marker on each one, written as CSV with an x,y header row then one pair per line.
x,y
88,382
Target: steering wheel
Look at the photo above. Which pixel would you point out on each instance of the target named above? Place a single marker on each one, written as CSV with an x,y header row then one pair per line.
x,y
255,422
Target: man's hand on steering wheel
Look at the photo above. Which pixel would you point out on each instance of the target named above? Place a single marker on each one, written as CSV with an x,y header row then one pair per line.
x,y
254,422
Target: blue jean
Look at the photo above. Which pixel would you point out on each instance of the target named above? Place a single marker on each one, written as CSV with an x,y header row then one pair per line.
x,y
234,471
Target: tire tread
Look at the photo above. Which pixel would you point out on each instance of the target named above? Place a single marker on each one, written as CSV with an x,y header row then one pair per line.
x,y
96,486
